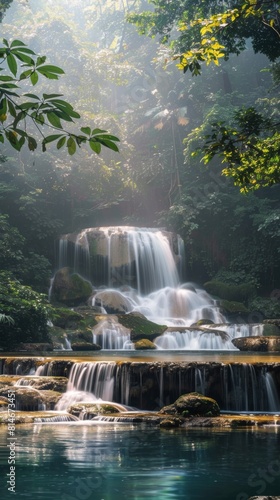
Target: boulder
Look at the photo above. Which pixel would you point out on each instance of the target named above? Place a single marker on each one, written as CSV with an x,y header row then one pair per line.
x,y
87,411
193,404
26,398
144,344
85,346
271,329
140,327
259,344
113,301
70,289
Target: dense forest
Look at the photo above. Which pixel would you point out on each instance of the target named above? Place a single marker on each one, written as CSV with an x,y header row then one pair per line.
x,y
121,74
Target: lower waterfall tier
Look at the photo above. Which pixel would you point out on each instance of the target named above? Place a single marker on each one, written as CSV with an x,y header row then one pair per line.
x,y
152,385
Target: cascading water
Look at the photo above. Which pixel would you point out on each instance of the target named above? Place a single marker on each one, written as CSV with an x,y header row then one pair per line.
x,y
236,386
142,269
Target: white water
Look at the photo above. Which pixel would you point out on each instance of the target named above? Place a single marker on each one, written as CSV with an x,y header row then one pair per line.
x,y
153,260
243,386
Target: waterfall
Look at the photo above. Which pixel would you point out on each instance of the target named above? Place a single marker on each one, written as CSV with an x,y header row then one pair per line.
x,y
142,255
235,386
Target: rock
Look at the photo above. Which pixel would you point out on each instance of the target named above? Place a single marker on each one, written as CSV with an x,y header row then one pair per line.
x,y
86,411
114,302
45,383
171,422
80,336
144,344
193,404
85,346
140,327
275,322
70,289
271,329
260,344
202,322
26,398
66,318
22,417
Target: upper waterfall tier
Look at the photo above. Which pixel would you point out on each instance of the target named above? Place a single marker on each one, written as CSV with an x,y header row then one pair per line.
x,y
146,259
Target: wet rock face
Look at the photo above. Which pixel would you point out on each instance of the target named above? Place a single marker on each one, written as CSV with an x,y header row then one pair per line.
x,y
113,302
26,398
193,404
258,344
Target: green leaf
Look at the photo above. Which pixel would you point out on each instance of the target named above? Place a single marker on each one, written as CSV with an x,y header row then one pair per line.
x,y
25,74
12,109
16,43
98,131
61,142
110,145
86,130
51,96
12,64
49,68
54,120
6,78
33,96
51,138
71,146
34,77
28,60
32,144
95,146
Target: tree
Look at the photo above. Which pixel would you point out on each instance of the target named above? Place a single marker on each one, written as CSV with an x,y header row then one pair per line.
x,y
46,111
204,34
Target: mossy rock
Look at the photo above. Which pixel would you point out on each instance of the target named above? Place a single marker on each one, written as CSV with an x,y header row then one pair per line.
x,y
140,327
257,344
70,289
26,398
193,404
170,422
66,318
270,329
90,410
202,322
144,344
238,293
44,383
80,336
230,306
85,346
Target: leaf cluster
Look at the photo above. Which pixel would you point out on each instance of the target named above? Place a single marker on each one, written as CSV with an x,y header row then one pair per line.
x,y
46,111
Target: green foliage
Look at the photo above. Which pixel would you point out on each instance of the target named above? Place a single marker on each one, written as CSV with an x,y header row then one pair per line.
x,y
210,31
240,293
28,313
269,307
251,149
49,109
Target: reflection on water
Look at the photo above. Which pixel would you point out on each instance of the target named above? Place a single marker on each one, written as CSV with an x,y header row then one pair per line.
x,y
83,460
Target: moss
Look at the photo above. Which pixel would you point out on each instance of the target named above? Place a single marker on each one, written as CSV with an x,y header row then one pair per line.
x,y
240,293
271,330
144,344
230,306
140,327
85,346
66,318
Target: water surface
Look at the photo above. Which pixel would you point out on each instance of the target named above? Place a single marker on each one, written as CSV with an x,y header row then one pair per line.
x,y
85,460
